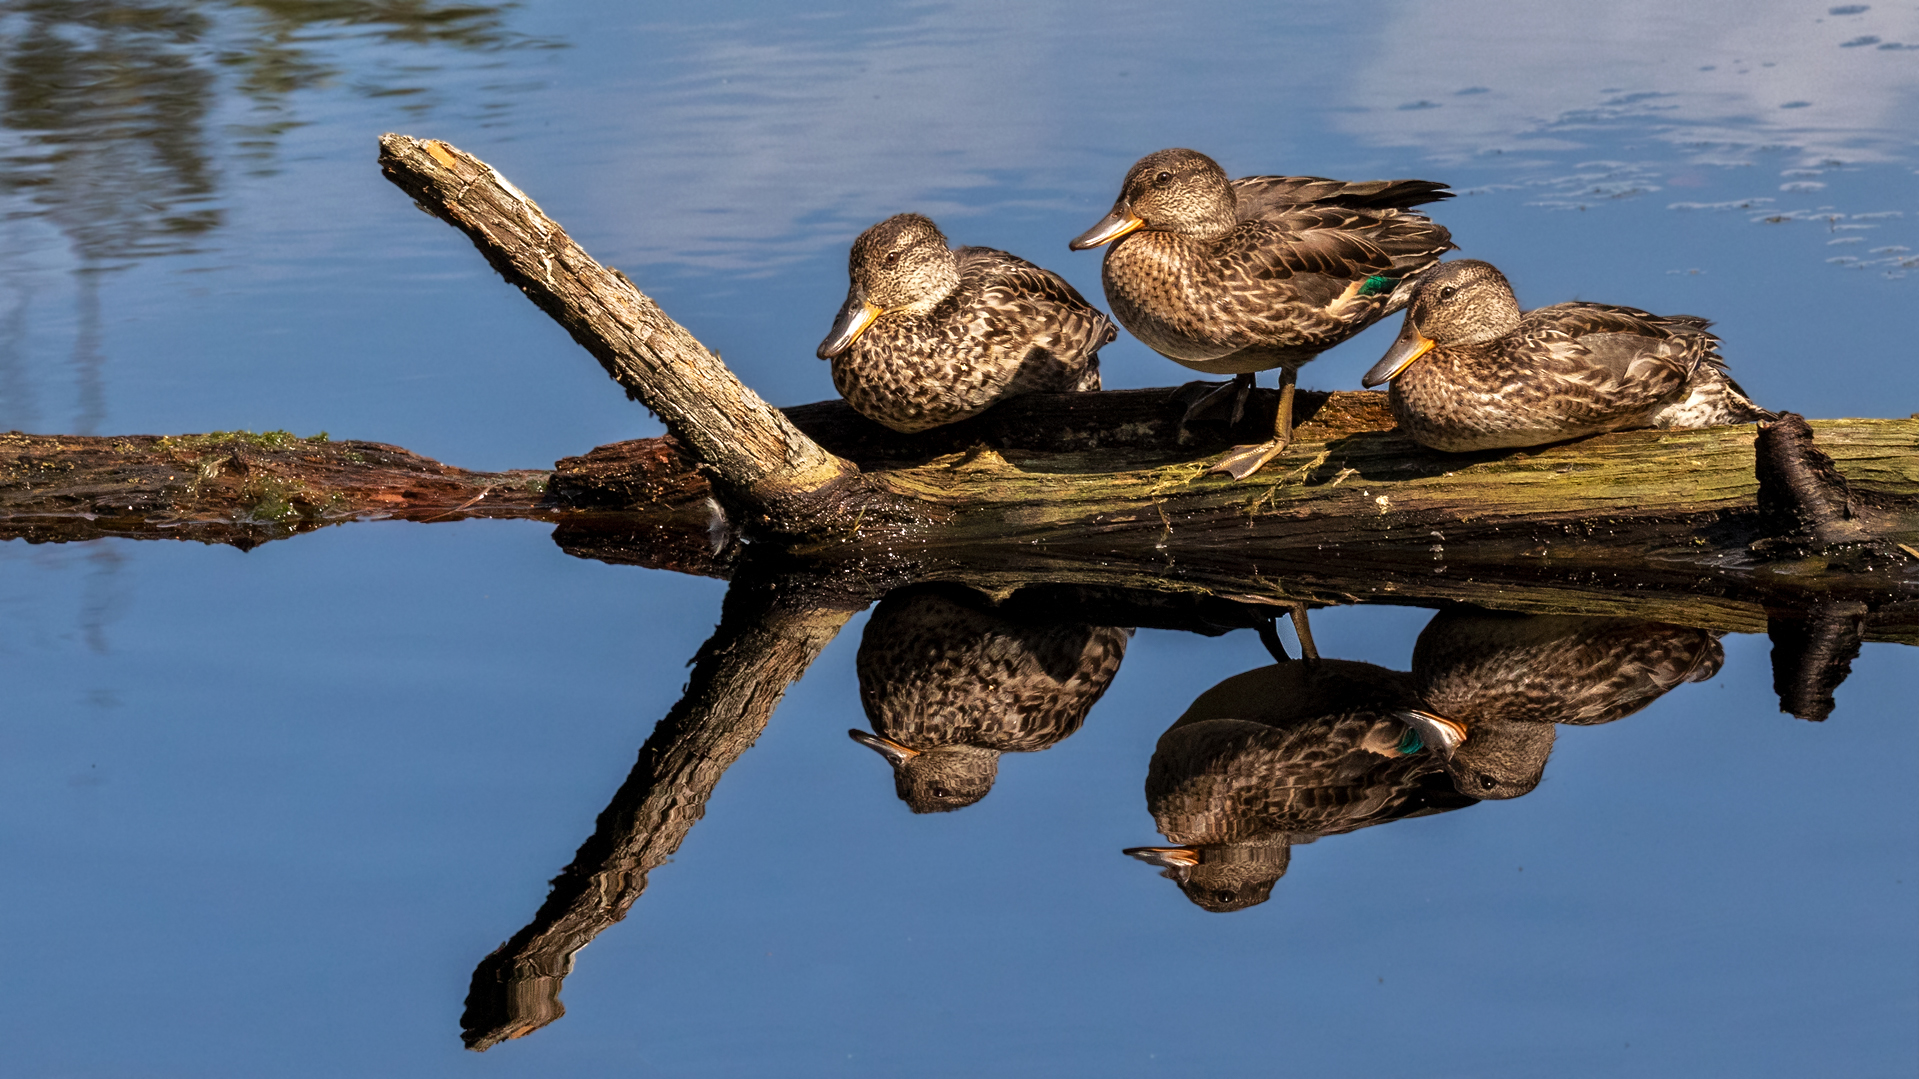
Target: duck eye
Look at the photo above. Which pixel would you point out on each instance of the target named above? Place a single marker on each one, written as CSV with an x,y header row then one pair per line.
x,y
1163,178
1487,782
1447,292
891,258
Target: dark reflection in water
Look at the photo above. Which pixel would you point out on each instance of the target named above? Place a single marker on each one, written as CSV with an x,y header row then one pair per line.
x,y
949,685
1283,755
111,106
1507,679
1286,754
1266,760
112,100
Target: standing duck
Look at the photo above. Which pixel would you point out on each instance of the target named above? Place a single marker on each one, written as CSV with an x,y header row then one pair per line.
x,y
949,686
929,335
1233,277
1470,371
1278,756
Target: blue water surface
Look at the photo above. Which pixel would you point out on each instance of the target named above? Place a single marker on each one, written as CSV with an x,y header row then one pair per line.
x,y
266,810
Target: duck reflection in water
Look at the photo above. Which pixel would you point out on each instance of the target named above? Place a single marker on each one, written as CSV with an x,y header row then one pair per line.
x,y
1285,754
1493,685
949,685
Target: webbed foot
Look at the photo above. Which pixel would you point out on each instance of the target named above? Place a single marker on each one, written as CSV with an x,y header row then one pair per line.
x,y
1246,460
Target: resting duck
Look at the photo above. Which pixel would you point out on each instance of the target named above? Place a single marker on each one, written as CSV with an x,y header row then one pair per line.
x,y
949,685
1470,371
929,335
1233,277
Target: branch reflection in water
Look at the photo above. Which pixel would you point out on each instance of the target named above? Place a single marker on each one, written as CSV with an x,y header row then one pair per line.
x,y
1266,760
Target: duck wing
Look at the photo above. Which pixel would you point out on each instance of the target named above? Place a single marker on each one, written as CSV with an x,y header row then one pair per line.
x,y
1314,253
988,268
1009,284
1579,669
1608,360
1227,780
1259,196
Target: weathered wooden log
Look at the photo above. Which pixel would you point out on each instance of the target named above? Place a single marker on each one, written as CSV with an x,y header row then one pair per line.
x,y
761,459
770,631
757,457
234,486
1654,524
245,488
1101,490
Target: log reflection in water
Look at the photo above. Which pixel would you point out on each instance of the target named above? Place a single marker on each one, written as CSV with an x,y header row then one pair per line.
x,y
1812,653
949,685
770,631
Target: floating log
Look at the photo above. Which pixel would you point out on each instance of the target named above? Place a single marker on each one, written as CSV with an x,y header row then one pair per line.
x,y
1650,524
1101,490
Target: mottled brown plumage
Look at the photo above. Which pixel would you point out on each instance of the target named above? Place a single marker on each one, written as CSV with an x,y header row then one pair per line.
x,y
1508,678
1470,371
1261,272
930,336
949,685
1283,755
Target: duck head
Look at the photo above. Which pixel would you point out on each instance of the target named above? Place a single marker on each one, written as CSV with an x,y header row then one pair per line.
x,y
1465,302
1222,878
1487,758
899,266
936,780
1179,191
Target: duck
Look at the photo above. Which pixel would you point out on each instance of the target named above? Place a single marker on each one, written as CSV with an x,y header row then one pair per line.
x,y
949,684
1471,371
1278,756
1493,685
930,335
1240,276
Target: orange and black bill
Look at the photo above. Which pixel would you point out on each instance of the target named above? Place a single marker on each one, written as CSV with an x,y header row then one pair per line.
x,y
855,316
895,753
1172,858
1114,225
1410,345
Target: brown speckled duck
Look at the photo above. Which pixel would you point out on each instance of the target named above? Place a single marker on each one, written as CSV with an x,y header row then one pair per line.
x,y
1278,756
929,335
1233,277
1470,371
1494,684
949,685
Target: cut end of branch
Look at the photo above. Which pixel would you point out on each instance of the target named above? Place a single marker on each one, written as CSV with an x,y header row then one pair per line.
x,y
757,457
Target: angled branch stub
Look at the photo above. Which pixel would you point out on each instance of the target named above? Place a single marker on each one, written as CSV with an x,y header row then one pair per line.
x,y
758,458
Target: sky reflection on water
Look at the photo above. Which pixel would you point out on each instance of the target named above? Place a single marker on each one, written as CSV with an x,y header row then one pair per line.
x,y
258,802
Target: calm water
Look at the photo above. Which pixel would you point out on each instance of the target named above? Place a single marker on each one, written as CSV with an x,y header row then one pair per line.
x,y
267,810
